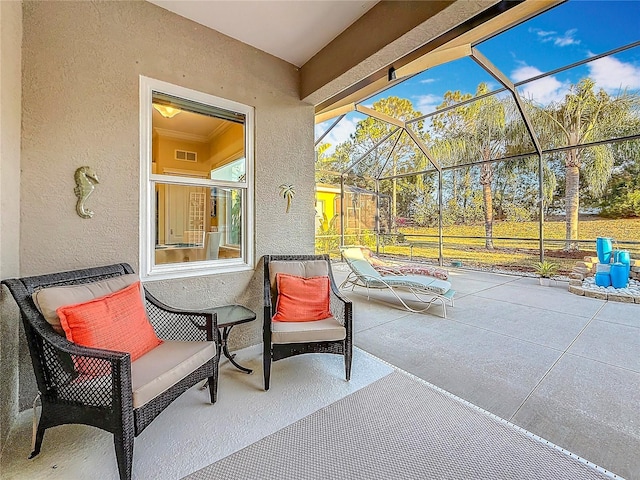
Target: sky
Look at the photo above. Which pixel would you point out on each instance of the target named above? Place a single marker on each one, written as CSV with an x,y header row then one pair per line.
x,y
570,32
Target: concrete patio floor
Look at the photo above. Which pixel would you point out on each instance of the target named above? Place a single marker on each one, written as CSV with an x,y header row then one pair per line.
x,y
564,367
191,433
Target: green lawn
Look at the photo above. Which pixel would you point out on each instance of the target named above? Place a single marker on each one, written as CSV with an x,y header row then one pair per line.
x,y
510,254
619,229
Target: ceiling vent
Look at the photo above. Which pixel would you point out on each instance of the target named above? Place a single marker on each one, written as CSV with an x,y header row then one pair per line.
x,y
186,156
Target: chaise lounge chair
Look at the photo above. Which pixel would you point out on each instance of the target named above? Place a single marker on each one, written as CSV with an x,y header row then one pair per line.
x,y
425,290
393,268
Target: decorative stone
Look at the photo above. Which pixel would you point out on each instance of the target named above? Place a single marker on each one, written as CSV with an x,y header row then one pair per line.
x,y
587,287
635,269
591,259
581,270
588,265
577,290
620,298
595,294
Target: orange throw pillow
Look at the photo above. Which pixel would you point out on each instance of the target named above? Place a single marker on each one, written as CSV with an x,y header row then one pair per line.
x,y
117,321
302,299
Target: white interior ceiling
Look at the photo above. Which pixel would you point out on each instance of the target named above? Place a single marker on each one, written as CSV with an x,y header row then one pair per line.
x,y
288,29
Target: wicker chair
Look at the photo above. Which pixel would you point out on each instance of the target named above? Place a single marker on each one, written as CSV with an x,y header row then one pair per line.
x,y
106,399
331,336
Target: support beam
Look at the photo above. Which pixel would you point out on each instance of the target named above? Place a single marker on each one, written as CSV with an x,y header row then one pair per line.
x,y
440,211
380,35
329,129
434,59
380,116
422,147
527,122
485,63
461,23
363,156
342,210
328,115
520,12
388,157
365,91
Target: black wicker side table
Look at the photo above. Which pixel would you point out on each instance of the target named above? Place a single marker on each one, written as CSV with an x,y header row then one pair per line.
x,y
228,317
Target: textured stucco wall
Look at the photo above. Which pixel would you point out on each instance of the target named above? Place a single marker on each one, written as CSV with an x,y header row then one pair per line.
x,y
82,62
10,115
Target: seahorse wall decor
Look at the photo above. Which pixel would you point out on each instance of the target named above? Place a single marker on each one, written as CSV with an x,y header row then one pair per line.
x,y
85,179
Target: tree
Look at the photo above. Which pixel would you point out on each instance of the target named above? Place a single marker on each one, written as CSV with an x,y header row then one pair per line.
x,y
583,116
622,196
473,132
390,158
399,154
330,166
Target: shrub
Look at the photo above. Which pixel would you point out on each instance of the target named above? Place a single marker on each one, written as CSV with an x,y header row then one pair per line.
x,y
625,206
546,269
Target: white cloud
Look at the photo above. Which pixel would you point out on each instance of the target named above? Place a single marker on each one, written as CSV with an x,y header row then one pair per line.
x,y
542,33
338,134
568,38
542,91
611,74
427,103
524,72
427,80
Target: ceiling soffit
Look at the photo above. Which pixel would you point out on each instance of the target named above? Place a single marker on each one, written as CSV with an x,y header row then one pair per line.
x,y
456,28
382,25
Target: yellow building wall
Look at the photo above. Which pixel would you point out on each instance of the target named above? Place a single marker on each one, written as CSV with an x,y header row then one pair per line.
x,y
166,152
328,211
227,147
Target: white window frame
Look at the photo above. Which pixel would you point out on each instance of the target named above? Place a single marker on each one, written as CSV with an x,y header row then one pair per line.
x,y
148,268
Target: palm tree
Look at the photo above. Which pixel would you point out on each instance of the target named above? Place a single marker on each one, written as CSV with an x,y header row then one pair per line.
x,y
288,192
583,116
473,133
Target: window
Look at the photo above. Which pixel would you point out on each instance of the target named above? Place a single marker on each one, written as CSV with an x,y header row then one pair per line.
x,y
196,218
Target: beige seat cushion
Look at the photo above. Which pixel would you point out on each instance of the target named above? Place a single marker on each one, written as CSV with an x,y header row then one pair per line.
x,y
48,300
325,330
165,365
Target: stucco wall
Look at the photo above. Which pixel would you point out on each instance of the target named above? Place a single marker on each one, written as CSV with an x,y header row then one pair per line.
x,y
82,62
10,115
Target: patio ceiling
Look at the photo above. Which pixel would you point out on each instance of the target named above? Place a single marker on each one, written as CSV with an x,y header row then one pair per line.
x,y
345,49
290,30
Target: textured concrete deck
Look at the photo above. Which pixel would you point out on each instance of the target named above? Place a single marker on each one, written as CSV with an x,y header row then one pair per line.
x,y
191,433
564,367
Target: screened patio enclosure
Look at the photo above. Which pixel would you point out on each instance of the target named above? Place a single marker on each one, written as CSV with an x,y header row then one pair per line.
x,y
525,166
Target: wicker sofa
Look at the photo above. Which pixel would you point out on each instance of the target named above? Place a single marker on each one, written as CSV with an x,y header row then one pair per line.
x,y
114,394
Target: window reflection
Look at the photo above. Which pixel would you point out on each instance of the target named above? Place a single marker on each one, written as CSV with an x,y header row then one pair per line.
x,y
199,218
197,223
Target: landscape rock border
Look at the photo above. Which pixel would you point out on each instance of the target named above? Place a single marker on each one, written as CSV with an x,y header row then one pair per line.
x,y
582,282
